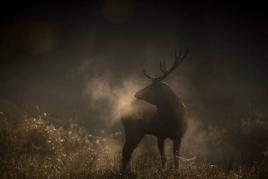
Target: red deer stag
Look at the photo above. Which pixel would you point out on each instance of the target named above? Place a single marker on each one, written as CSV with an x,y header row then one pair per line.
x,y
166,121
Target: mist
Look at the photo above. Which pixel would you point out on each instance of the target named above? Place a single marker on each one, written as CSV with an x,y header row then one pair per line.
x,y
83,63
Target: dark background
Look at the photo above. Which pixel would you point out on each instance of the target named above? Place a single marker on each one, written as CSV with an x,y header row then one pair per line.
x,y
51,49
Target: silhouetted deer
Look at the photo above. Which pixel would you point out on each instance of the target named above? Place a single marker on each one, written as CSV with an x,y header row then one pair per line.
x,y
166,121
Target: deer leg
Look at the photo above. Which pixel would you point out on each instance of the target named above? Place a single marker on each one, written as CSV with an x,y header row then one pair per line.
x,y
176,152
129,146
161,146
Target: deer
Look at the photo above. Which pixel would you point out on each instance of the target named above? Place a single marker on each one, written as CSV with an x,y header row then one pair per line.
x,y
166,120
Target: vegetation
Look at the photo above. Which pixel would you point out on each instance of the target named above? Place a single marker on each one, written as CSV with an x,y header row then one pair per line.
x,y
34,148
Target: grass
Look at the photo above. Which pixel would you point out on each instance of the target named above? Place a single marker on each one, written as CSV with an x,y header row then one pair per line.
x,y
33,148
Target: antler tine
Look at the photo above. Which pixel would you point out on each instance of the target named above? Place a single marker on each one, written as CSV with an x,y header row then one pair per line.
x,y
148,76
163,67
164,70
177,62
180,53
185,53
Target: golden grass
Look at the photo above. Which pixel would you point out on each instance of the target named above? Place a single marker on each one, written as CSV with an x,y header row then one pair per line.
x,y
33,148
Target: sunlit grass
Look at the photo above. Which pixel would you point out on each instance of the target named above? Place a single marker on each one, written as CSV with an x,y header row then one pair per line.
x,y
34,148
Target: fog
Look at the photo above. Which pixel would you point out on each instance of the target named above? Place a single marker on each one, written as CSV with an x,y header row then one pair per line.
x,y
83,63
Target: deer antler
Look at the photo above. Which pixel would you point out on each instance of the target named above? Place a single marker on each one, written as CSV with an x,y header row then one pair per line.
x,y
178,60
148,76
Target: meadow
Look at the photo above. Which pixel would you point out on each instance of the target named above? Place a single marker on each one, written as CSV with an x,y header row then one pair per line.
x,y
32,147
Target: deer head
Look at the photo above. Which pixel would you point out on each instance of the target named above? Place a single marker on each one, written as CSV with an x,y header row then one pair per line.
x,y
159,93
